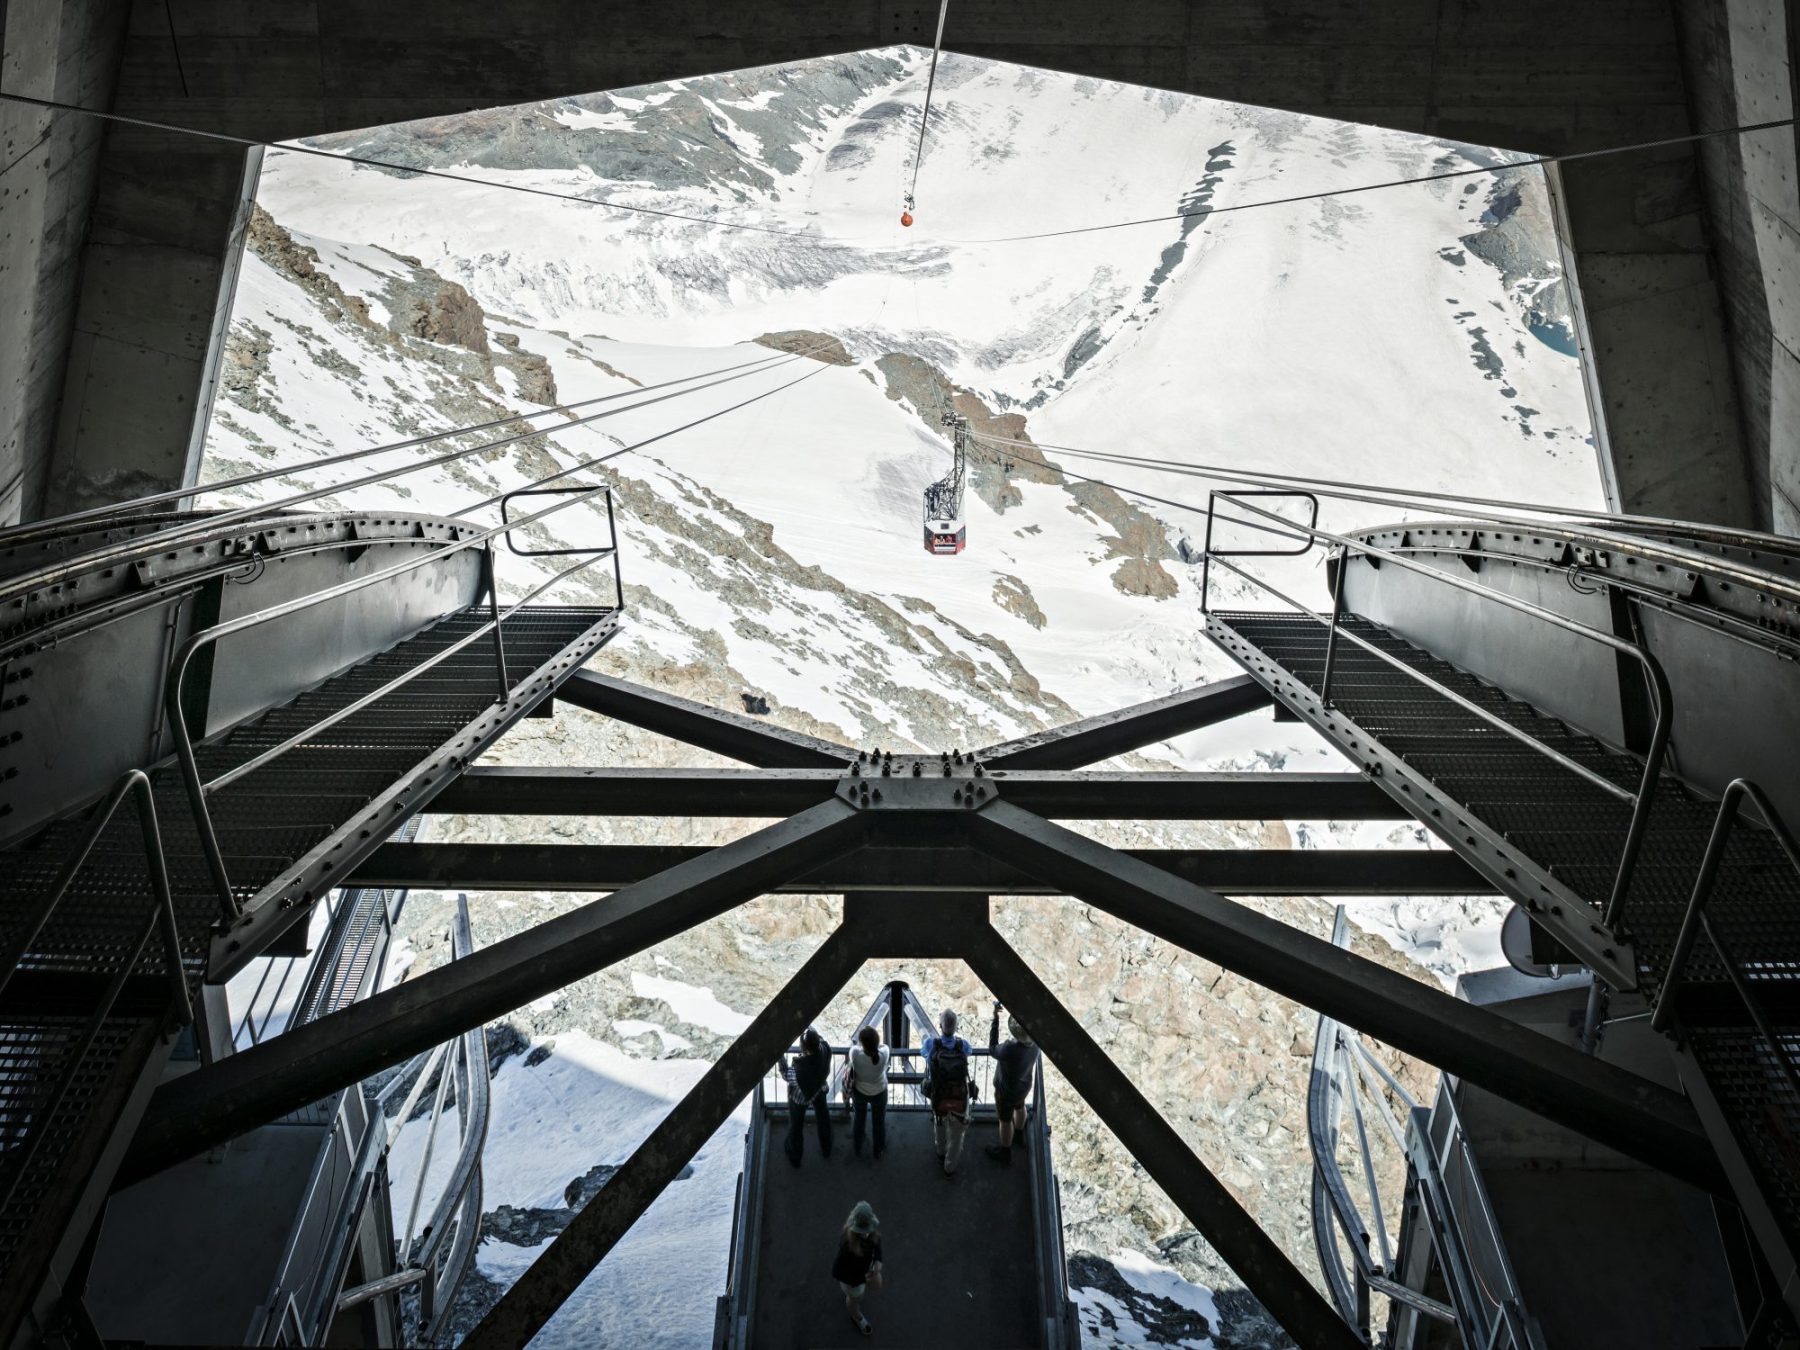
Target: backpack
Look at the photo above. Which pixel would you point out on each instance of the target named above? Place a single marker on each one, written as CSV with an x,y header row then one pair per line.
x,y
948,1090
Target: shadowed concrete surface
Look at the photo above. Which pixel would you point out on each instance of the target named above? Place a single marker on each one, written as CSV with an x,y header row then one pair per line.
x,y
957,1258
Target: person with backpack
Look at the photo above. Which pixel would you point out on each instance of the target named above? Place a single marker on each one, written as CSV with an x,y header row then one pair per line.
x,y
948,1089
1015,1070
808,1080
867,1074
857,1268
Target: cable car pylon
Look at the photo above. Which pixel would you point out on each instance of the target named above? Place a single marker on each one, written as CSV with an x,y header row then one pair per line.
x,y
945,531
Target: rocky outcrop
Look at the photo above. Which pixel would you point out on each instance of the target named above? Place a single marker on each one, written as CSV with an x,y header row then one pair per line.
x,y
443,312
1003,456
805,342
1015,597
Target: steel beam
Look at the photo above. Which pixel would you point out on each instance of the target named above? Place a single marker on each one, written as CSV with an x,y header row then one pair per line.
x,y
882,867
1116,733
1619,1109
257,1085
1153,1143
554,791
559,791
654,1164
730,734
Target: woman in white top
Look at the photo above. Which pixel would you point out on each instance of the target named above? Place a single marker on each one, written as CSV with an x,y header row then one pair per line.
x,y
868,1088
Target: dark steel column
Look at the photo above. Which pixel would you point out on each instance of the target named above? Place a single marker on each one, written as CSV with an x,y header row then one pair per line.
x,y
1603,1102
247,1089
656,1162
1263,1267
730,734
1115,733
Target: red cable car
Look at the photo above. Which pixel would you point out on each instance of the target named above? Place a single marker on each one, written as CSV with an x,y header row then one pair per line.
x,y
945,532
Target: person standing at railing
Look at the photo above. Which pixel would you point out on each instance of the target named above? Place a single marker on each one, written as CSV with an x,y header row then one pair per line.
x,y
857,1268
1015,1070
868,1089
949,1091
808,1080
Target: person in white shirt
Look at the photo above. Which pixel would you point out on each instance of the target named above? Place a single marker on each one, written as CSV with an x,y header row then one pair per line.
x,y
868,1089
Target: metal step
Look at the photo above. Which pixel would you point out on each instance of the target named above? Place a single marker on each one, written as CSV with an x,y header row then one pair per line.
x,y
288,825
1552,840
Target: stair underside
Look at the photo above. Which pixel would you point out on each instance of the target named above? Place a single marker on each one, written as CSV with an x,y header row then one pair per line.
x,y
264,823
1565,835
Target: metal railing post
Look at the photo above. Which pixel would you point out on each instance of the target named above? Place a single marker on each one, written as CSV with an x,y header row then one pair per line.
x,y
493,590
1337,617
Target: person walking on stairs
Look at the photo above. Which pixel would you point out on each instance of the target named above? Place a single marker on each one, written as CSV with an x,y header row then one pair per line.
x,y
1015,1070
948,1089
808,1080
868,1089
857,1268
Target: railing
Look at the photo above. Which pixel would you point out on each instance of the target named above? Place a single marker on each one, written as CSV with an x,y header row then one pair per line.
x,y
434,1259
1490,1309
1657,683
1697,921
199,789
23,1152
1343,1067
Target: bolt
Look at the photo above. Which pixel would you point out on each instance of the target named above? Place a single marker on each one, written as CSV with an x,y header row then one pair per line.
x,y
946,770
856,770
918,768
978,770
877,794
861,755
887,769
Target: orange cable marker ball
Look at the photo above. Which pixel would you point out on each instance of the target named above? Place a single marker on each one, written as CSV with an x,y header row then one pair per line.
x,y
906,217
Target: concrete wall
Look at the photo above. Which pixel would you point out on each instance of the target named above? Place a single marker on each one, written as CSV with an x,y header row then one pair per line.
x,y
1545,75
67,50
1741,64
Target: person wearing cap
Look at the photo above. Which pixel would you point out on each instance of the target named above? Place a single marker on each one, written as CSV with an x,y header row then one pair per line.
x,y
1015,1070
857,1268
809,1081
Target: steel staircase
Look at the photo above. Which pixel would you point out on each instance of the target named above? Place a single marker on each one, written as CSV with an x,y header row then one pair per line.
x,y
1552,838
86,1027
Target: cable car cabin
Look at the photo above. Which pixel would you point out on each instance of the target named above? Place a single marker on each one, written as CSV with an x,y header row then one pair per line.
x,y
945,536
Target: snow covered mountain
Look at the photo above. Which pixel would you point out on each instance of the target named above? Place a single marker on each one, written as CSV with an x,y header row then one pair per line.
x,y
771,524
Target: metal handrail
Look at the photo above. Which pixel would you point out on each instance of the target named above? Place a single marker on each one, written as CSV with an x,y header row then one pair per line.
x,y
162,915
1661,697
182,662
1696,920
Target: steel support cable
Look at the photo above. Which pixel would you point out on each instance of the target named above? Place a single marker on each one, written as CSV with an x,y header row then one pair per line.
x,y
639,445
1674,554
937,47
124,553
300,148
1527,162
53,105
120,509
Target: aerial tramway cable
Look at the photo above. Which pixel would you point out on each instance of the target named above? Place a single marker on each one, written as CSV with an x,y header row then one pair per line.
x,y
808,237
937,47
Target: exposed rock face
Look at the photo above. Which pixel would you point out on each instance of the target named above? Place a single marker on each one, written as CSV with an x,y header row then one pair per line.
x,y
1014,596
449,316
802,341
1009,458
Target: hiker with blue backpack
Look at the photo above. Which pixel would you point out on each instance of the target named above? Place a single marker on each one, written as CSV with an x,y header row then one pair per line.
x,y
948,1089
808,1080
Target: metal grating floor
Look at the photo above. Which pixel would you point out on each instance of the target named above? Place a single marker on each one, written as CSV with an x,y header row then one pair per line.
x,y
265,822
1574,831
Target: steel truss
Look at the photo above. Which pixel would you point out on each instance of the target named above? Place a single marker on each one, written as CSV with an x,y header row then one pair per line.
x,y
917,844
